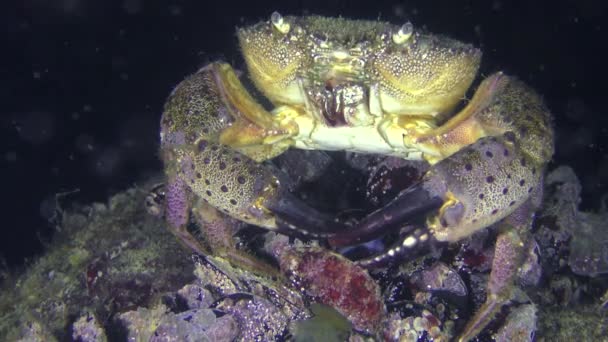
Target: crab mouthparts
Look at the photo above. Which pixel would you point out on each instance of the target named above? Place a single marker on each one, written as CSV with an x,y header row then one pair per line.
x,y
340,103
331,104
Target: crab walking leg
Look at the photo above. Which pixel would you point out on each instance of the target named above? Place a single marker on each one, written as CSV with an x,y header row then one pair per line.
x,y
206,160
508,258
177,213
218,232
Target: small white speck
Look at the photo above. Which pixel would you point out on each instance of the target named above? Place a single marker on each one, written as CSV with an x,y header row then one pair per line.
x,y
409,241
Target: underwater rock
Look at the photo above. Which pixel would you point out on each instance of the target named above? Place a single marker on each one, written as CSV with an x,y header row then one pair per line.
x,y
87,329
191,326
531,271
333,280
195,296
519,326
142,323
256,317
107,257
589,245
588,252
423,327
159,324
224,329
582,323
440,277
35,332
120,263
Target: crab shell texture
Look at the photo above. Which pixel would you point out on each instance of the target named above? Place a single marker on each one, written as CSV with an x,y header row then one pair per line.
x,y
406,72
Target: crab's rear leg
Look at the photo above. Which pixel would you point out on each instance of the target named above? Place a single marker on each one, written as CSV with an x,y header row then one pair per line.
x,y
214,136
508,258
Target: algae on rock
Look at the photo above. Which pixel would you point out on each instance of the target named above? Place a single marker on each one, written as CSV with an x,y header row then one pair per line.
x,y
106,258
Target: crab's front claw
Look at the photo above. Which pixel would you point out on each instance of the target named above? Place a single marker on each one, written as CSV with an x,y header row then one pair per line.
x,y
410,203
403,214
484,183
294,216
486,162
472,189
214,137
239,187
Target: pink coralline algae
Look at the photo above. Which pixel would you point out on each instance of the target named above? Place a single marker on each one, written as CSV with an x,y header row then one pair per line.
x,y
335,281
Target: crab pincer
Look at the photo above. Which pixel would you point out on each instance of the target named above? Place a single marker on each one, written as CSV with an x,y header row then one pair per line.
x,y
493,181
212,144
484,165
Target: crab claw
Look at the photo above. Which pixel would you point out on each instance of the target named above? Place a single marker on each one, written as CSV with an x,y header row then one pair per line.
x,y
412,242
468,191
409,204
293,215
402,214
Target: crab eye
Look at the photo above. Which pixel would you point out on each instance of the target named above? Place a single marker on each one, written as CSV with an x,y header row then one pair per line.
x,y
404,33
279,23
274,56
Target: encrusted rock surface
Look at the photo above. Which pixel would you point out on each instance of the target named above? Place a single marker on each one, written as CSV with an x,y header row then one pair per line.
x,y
115,273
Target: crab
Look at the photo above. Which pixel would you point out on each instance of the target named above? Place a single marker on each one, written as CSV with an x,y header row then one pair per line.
x,y
369,87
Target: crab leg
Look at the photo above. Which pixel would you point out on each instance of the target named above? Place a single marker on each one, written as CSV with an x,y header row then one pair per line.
x,y
486,168
214,137
508,257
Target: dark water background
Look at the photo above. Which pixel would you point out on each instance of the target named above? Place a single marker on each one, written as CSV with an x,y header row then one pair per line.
x,y
82,83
